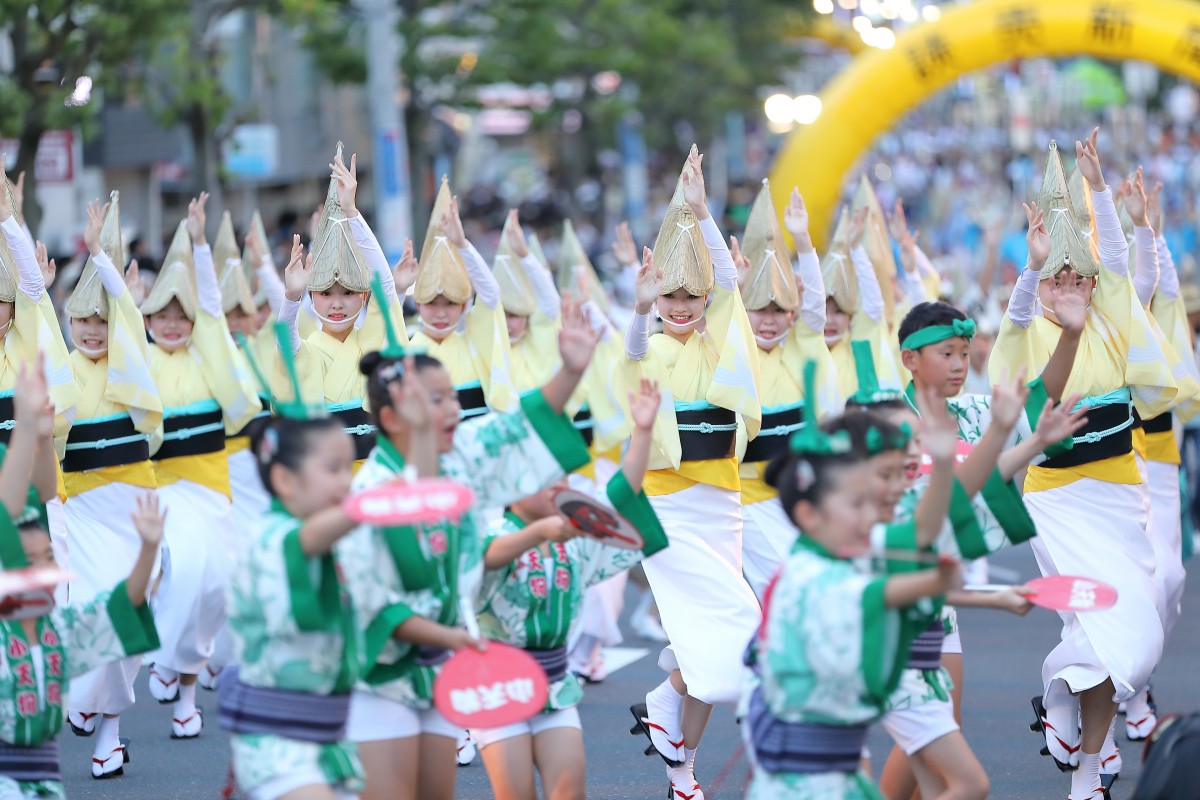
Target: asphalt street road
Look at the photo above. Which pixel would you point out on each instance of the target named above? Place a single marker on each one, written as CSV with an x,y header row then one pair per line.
x,y
1003,667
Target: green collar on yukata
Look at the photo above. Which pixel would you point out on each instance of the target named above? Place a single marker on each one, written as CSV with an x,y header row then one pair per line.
x,y
389,456
803,542
517,522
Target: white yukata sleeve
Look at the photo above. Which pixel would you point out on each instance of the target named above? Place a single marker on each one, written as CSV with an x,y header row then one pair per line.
x,y
364,237
870,295
812,289
289,315
487,290
29,274
548,301
1114,249
106,629
208,292
1145,281
1168,276
637,338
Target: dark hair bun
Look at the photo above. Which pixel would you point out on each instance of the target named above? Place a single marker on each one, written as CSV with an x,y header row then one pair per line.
x,y
370,362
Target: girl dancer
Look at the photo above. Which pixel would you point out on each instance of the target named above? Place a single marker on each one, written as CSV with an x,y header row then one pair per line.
x,y
107,465
206,394
709,379
785,343
537,569
42,654
1107,657
410,581
469,337
336,276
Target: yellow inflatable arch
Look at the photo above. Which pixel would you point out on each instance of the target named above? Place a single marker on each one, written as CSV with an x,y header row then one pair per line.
x,y
881,85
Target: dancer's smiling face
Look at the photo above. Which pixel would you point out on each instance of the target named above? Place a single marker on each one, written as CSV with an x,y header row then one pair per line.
x,y
681,307
338,306
517,326
771,322
837,322
841,517
170,327
942,364
90,335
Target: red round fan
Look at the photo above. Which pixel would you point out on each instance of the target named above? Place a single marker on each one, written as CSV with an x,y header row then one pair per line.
x,y
410,502
1062,593
28,593
597,520
502,685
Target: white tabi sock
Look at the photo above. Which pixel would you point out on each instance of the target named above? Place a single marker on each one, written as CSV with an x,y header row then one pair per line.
x,y
1110,754
108,737
185,706
1085,781
1138,706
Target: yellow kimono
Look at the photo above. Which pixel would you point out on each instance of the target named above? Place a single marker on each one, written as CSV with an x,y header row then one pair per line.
x,y
478,358
865,327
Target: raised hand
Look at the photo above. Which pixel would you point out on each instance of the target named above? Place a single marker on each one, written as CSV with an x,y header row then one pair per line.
x,y
1087,159
795,219
740,261
1057,422
693,185
95,223
196,219
643,405
576,338
1135,199
856,228
647,284
135,283
46,264
347,180
938,432
410,398
254,249
1070,300
1154,215
452,225
516,235
908,250
1008,400
297,272
624,248
149,518
405,271
1037,236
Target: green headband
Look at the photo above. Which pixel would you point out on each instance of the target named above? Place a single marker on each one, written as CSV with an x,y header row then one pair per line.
x,y
939,333
869,393
811,440
878,443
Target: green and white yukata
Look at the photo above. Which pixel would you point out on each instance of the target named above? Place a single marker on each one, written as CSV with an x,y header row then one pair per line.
x,y
830,655
294,634
34,676
404,571
919,710
532,602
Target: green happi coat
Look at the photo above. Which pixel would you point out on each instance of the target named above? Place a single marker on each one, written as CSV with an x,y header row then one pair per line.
x,y
831,655
70,641
292,628
532,602
399,572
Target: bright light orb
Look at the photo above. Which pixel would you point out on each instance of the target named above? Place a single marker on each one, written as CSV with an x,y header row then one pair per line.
x,y
778,108
806,108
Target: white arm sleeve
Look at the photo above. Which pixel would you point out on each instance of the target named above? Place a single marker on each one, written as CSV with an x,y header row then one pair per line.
x,y
1145,281
113,283
208,293
812,290
723,268
373,255
272,284
29,274
289,314
597,320
548,301
1114,250
637,338
870,295
482,279
1168,276
1023,303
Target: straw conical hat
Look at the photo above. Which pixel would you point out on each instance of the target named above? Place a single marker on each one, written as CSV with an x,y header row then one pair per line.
x,y
336,257
516,290
12,200
89,296
231,277
771,279
1069,246
837,272
680,253
875,241
442,270
573,260
259,232
175,278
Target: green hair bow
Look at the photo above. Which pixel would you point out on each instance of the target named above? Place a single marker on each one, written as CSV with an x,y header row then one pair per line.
x,y
869,392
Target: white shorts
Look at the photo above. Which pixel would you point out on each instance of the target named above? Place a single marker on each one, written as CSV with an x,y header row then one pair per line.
x,y
374,718
563,718
916,727
278,787
953,642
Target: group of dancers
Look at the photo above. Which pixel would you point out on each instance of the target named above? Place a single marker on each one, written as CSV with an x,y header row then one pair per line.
x,y
795,449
